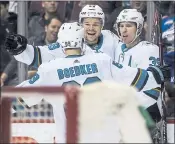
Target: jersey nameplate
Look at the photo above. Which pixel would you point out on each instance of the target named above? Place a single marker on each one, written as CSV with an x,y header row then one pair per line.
x,y
77,71
53,46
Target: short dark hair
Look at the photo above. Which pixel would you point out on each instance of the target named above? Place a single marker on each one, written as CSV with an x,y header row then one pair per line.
x,y
50,19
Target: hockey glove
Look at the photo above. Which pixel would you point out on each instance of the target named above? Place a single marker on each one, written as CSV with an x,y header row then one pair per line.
x,y
15,44
161,74
170,89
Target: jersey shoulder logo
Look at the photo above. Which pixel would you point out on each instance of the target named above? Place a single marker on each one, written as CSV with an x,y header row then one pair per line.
x,y
54,46
34,78
117,65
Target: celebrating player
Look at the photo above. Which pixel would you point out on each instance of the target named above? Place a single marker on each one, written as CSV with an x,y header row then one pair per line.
x,y
134,52
78,69
92,19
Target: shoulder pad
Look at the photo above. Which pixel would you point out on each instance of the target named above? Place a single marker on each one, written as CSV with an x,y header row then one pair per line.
x,y
54,46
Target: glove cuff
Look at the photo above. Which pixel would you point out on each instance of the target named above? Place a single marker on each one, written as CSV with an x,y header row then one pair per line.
x,y
157,73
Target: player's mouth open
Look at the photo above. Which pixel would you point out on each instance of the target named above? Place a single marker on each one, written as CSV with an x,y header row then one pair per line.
x,y
90,33
54,34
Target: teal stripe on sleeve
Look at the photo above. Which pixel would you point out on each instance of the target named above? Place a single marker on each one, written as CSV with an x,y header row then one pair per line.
x,y
140,80
37,58
153,93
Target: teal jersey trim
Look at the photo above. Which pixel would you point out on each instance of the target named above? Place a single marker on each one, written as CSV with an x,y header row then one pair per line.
x,y
140,79
124,48
153,93
130,59
98,45
37,61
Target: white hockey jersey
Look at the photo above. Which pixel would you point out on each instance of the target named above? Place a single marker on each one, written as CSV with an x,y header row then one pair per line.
x,y
142,55
34,56
82,70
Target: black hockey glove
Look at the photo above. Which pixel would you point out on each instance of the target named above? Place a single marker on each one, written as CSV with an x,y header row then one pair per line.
x,y
161,74
170,89
15,44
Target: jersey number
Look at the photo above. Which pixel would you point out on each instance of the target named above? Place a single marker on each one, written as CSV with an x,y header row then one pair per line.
x,y
87,81
155,61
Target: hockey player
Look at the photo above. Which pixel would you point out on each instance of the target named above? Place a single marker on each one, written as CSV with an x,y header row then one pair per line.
x,y
78,69
92,19
134,52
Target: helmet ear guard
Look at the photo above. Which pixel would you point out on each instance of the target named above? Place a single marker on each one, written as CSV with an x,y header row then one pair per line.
x,y
139,29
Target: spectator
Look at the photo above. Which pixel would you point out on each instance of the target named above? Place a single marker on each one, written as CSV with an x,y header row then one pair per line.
x,y
34,8
52,27
50,35
37,23
8,25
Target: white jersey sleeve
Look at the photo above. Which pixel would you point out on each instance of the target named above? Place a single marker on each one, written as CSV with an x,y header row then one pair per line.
x,y
136,77
36,55
26,56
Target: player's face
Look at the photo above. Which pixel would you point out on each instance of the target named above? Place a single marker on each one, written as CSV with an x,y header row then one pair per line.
x,y
127,31
52,30
92,28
